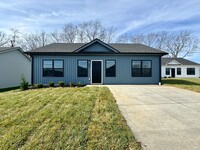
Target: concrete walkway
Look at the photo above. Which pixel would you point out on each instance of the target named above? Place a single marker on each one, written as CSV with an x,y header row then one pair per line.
x,y
161,117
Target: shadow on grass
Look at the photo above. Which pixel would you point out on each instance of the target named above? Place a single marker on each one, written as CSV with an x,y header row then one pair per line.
x,y
9,89
178,81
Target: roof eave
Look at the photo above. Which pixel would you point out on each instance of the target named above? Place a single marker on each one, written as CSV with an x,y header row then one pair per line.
x,y
95,53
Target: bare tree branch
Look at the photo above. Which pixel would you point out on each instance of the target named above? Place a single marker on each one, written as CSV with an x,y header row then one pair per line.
x,y
88,31
124,38
69,33
180,44
3,38
35,40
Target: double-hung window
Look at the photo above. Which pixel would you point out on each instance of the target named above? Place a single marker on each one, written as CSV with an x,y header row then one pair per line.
x,y
167,71
141,68
82,70
53,68
190,71
110,68
178,71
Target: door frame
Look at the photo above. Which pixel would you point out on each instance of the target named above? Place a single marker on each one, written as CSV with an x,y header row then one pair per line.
x,y
101,71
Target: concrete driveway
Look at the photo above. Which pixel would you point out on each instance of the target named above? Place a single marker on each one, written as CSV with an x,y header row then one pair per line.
x,y
161,117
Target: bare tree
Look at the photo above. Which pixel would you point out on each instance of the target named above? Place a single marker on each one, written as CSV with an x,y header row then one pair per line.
x,y
110,34
139,38
161,39
14,37
3,38
156,40
124,38
93,29
35,40
81,36
84,32
56,37
181,44
69,33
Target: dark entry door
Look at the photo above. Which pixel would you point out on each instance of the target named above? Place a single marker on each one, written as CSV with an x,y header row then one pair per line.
x,y
173,72
96,71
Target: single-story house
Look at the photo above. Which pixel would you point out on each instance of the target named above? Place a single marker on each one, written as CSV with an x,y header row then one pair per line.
x,y
13,63
96,63
180,68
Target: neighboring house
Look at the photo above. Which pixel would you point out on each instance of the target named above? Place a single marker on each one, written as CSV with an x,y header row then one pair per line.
x,y
96,63
13,63
180,68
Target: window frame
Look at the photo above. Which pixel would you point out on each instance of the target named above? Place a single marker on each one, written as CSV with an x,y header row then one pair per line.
x,y
177,72
106,68
52,67
191,74
78,66
141,68
166,71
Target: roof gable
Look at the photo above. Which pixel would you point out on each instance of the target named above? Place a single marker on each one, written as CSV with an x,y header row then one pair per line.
x,y
10,49
174,62
178,61
96,46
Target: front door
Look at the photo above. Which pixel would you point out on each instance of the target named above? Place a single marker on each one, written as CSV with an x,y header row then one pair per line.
x,y
96,72
173,72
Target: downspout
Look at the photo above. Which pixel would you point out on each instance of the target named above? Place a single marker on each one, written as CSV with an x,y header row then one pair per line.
x,y
160,69
32,68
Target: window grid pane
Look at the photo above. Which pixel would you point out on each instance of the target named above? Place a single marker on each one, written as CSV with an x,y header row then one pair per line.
x,y
82,68
110,68
136,64
58,64
178,71
146,68
167,71
48,64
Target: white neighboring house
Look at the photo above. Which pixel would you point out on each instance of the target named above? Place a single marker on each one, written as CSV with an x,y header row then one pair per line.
x,y
180,68
13,63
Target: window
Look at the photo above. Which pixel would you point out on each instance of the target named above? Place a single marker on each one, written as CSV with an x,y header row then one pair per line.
x,y
167,71
141,68
58,68
47,68
53,68
178,71
110,68
146,68
190,71
82,68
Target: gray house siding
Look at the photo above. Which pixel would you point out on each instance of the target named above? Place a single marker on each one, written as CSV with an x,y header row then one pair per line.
x,y
123,68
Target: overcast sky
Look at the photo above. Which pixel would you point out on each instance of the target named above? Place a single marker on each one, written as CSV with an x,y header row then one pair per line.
x,y
135,16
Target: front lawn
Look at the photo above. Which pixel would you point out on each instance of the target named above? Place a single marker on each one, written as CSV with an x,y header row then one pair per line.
x,y
63,118
192,84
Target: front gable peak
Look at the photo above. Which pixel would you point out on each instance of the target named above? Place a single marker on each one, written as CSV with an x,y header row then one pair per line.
x,y
96,46
174,62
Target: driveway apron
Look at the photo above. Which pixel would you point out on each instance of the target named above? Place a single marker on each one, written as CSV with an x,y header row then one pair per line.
x,y
161,117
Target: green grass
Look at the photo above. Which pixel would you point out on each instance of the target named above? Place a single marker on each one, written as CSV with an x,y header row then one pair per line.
x,y
63,118
192,84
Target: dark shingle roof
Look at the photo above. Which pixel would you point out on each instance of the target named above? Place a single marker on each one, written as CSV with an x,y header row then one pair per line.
x,y
183,61
8,48
72,47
